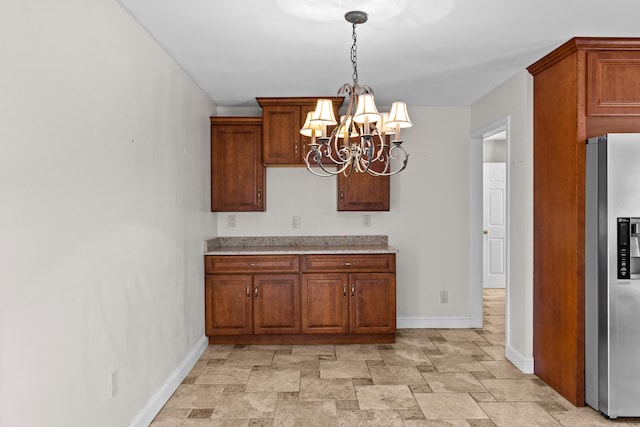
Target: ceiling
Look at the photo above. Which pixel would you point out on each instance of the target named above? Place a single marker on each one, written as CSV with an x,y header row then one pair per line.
x,y
423,52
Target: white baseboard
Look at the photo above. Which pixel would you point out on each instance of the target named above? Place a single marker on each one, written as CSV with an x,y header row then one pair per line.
x,y
157,401
525,364
433,322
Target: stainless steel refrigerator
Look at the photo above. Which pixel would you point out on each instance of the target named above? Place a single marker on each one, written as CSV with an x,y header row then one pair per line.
x,y
612,275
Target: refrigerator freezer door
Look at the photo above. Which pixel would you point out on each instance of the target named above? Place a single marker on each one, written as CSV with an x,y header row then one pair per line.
x,y
612,290
623,189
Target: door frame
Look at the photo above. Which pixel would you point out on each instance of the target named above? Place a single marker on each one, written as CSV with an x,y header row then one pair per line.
x,y
475,221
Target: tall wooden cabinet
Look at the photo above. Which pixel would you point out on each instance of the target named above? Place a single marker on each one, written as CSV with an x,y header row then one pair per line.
x,y
237,173
587,87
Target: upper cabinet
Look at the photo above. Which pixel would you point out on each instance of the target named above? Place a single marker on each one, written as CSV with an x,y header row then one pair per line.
x,y
363,192
585,88
237,172
241,147
282,119
613,81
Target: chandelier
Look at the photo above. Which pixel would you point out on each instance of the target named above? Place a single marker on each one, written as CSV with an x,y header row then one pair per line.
x,y
361,141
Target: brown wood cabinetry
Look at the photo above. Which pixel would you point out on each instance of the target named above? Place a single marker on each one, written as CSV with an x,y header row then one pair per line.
x,y
336,298
585,88
237,173
241,303
282,119
273,299
363,192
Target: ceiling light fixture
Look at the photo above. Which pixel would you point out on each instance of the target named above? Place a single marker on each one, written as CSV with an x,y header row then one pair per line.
x,y
360,142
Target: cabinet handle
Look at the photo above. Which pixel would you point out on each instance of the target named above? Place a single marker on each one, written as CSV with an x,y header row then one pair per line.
x,y
256,292
251,264
353,290
248,291
348,264
341,194
344,290
259,195
295,145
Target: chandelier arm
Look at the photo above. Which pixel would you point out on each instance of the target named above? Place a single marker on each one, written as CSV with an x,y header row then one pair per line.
x,y
380,153
393,155
326,173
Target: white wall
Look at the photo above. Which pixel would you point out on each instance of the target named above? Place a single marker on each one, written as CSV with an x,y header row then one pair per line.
x,y
514,99
103,210
428,221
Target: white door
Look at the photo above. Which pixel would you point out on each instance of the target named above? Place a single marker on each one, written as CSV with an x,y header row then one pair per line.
x,y
494,225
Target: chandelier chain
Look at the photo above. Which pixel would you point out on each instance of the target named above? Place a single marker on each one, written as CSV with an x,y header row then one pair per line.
x,y
354,58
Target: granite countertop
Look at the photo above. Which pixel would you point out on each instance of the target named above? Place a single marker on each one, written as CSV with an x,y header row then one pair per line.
x,y
298,245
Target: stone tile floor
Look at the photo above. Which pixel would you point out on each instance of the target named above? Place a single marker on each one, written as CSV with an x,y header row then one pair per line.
x,y
429,377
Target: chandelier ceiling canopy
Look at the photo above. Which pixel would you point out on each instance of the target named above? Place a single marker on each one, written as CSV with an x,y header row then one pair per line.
x,y
364,140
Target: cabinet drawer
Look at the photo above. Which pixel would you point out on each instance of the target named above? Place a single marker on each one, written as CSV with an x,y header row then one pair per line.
x,y
349,262
251,263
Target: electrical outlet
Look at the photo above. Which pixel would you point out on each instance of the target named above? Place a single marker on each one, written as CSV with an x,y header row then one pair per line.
x,y
444,297
231,221
366,220
113,384
297,222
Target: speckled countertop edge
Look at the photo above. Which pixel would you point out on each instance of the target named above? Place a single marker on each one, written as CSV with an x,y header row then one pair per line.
x,y
297,245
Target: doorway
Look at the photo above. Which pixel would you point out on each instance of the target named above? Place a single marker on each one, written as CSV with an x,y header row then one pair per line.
x,y
489,162
494,209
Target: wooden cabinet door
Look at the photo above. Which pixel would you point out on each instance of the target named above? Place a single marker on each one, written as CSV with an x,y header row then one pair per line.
x,y
373,303
613,83
282,143
281,134
364,192
228,304
237,173
325,303
276,304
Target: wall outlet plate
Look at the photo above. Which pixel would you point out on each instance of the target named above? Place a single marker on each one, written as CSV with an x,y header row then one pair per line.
x,y
444,297
297,222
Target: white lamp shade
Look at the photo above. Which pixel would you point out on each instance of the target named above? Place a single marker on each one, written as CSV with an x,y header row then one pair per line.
x,y
366,109
383,126
323,114
346,124
398,116
309,128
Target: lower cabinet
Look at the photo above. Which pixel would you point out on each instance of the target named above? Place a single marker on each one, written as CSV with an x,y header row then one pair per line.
x,y
245,305
361,303
281,299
